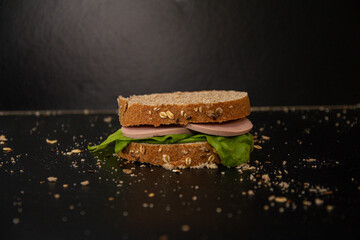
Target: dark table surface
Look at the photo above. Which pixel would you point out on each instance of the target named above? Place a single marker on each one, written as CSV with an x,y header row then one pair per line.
x,y
303,184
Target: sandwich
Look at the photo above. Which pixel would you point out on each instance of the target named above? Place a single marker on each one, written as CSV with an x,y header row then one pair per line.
x,y
184,129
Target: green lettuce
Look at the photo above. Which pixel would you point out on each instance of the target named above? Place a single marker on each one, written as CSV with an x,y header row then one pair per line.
x,y
232,151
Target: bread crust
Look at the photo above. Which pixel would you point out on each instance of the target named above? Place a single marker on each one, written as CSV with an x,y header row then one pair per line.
x,y
140,114
170,156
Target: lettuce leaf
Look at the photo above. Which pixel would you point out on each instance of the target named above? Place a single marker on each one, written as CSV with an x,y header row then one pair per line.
x,y
232,151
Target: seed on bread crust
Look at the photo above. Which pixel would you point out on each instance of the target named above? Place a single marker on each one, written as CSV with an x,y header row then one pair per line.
x,y
219,111
214,116
211,158
195,109
182,113
188,161
170,114
163,115
188,117
142,149
200,109
166,158
209,112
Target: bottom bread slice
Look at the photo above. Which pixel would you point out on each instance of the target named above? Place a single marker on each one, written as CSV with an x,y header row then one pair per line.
x,y
170,156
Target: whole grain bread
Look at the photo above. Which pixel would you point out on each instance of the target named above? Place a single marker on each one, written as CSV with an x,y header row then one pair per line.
x,y
183,108
170,156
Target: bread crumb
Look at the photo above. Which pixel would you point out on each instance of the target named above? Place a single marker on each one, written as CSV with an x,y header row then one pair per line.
x,y
107,119
3,138
309,160
52,179
265,177
151,194
51,141
85,183
185,228
319,201
56,196
280,199
16,220
74,151
164,237
265,137
329,208
127,171
7,149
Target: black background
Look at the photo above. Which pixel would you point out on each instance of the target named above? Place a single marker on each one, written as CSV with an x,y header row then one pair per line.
x,y
74,54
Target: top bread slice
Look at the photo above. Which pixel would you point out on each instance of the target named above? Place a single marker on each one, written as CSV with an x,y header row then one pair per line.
x,y
183,108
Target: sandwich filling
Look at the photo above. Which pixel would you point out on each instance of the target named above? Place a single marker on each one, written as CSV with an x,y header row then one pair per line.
x,y
231,140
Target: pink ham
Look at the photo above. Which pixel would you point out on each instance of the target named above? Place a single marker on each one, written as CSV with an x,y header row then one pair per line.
x,y
231,128
149,131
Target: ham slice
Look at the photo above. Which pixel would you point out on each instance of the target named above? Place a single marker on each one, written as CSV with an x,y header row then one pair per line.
x,y
150,131
231,128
